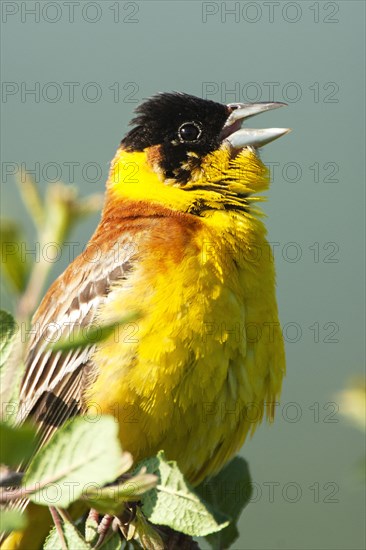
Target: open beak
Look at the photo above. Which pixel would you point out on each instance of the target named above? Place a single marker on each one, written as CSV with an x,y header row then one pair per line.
x,y
239,137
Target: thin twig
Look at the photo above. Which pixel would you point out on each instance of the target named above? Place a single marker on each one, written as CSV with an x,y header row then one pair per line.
x,y
58,525
31,197
31,296
61,211
65,515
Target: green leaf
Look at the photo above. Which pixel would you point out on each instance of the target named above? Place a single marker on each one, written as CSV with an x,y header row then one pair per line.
x,y
80,455
8,328
229,491
95,334
147,535
173,502
113,543
73,539
12,520
91,530
16,444
13,263
111,499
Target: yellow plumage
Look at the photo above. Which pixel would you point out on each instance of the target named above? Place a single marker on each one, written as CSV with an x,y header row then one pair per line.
x,y
209,344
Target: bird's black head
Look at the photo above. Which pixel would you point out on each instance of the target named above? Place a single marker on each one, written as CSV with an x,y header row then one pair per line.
x,y
181,128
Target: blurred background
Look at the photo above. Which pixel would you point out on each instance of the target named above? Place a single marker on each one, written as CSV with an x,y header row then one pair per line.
x,y
72,74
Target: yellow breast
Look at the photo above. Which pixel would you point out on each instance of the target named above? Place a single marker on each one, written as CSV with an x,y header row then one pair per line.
x,y
194,374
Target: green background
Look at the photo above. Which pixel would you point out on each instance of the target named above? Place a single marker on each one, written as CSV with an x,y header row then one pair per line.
x,y
312,53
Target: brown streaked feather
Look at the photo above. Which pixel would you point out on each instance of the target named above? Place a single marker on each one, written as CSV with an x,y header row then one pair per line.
x,y
54,382
66,400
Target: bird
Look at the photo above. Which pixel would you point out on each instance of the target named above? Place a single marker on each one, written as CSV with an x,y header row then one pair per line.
x,y
182,241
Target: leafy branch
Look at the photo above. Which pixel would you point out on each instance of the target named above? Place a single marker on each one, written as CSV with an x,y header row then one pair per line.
x,y
97,497
54,217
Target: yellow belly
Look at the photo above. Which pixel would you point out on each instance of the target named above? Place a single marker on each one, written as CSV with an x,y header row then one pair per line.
x,y
193,375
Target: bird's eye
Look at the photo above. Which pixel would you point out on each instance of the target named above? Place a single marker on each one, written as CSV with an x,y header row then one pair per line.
x,y
189,131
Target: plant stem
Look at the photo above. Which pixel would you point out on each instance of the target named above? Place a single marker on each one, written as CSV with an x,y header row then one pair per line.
x,y
58,525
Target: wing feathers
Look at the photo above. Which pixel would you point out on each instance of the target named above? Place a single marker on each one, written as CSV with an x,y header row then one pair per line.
x,y
55,381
